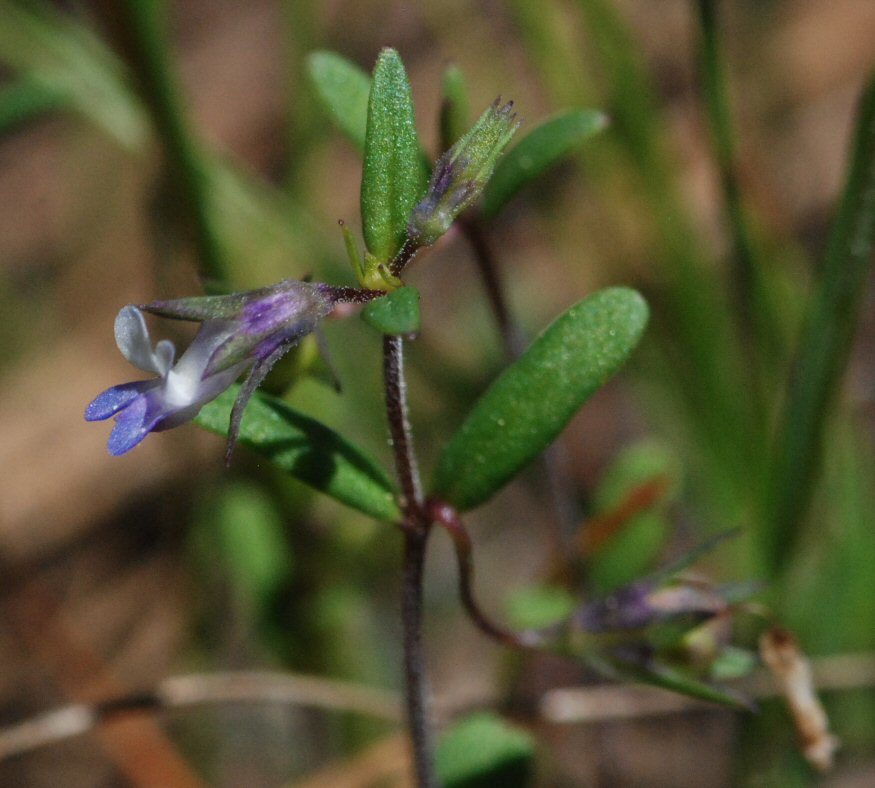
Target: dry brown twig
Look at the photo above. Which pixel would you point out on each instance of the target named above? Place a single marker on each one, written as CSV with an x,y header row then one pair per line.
x,y
199,689
564,706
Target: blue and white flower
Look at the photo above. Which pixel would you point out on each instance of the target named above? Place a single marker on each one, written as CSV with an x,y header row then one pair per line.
x,y
239,333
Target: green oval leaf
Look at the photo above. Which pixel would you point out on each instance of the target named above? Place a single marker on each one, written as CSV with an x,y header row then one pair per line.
x,y
343,89
533,399
307,450
539,150
393,177
396,313
484,750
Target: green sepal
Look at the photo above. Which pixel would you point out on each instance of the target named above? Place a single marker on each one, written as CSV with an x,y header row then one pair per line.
x,y
395,313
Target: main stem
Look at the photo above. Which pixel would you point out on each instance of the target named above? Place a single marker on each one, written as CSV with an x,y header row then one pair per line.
x,y
415,526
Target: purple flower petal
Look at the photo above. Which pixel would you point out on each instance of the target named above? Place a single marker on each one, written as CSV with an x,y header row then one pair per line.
x,y
111,401
129,428
142,416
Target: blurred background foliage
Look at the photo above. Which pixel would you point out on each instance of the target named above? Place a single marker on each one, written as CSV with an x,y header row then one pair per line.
x,y
149,147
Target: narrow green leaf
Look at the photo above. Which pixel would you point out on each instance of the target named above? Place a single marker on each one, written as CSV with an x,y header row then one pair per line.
x,y
395,313
534,398
691,556
142,28
754,299
824,345
393,176
539,150
483,750
670,678
307,450
343,88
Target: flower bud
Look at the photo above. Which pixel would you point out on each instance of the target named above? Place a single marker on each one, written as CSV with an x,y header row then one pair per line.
x,y
461,174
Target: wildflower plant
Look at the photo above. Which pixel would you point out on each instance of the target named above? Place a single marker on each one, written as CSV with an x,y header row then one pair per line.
x,y
640,630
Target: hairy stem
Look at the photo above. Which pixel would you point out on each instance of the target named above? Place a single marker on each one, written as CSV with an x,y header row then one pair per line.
x,y
399,431
404,257
416,528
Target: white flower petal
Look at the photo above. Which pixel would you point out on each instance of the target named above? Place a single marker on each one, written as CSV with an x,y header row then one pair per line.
x,y
193,363
165,353
132,338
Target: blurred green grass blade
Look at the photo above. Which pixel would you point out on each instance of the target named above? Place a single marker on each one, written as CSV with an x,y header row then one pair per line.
x,y
824,346
393,176
669,678
695,330
544,29
396,313
755,311
255,224
343,88
455,110
530,403
308,450
540,149
41,44
140,30
483,751
24,101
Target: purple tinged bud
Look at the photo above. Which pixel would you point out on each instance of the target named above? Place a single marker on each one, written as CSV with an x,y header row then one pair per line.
x,y
461,174
627,608
639,605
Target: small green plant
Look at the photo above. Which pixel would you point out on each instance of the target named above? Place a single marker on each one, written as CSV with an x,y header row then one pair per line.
x,y
753,421
636,631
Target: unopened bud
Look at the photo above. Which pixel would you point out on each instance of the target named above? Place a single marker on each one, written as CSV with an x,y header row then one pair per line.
x,y
461,174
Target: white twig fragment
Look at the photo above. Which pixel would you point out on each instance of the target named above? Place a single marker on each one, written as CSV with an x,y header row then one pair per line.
x,y
792,670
